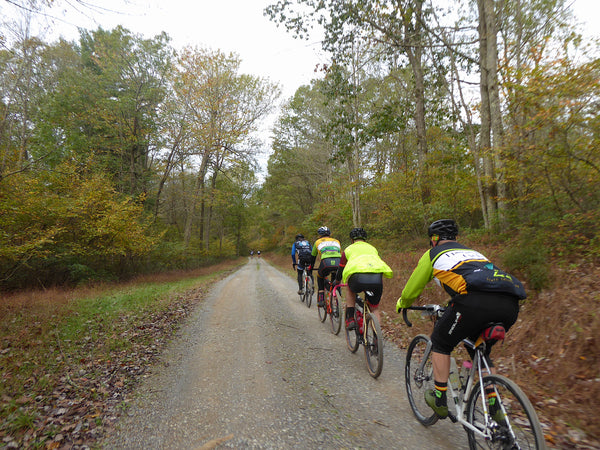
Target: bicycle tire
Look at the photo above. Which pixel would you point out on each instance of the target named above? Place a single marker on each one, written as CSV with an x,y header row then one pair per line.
x,y
373,345
417,380
323,309
308,291
352,341
335,316
519,427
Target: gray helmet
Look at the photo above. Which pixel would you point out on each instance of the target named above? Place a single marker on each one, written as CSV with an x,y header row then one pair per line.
x,y
323,231
444,229
358,233
299,236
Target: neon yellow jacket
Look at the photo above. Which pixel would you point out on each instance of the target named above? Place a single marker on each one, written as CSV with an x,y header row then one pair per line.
x,y
362,257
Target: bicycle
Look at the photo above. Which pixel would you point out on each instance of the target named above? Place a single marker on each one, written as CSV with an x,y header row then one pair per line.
x,y
493,410
368,333
323,310
333,294
308,287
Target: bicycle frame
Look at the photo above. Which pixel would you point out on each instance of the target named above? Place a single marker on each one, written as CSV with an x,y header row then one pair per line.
x,y
371,337
460,395
455,391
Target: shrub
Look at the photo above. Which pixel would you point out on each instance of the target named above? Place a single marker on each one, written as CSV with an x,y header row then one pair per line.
x,y
530,257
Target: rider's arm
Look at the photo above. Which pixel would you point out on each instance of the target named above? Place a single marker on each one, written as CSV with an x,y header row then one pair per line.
x,y
294,253
313,254
343,261
422,275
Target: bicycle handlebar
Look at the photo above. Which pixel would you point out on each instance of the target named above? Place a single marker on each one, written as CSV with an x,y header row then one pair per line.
x,y
430,311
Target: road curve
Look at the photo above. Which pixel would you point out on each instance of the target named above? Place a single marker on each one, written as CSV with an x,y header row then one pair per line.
x,y
254,368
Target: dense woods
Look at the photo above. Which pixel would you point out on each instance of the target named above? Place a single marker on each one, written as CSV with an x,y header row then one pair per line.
x,y
121,154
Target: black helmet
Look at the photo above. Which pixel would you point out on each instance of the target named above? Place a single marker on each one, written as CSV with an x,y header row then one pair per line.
x,y
358,233
323,231
444,229
299,236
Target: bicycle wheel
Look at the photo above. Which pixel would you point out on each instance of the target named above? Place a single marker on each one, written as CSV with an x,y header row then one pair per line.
x,y
514,424
323,309
335,315
418,375
307,292
373,345
351,337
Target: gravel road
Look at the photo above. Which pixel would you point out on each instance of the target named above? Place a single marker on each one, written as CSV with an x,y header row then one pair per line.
x,y
254,368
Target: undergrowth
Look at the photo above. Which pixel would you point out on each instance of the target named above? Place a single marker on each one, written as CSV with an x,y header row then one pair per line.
x,y
67,356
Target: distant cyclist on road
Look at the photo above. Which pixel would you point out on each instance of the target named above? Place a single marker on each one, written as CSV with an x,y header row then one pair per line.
x,y
363,270
329,250
481,293
302,250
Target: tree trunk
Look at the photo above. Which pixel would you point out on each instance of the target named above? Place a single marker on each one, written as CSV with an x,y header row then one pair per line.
x,y
414,49
495,107
486,124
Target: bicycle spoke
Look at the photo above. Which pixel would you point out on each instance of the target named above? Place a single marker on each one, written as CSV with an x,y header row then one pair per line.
x,y
418,373
373,346
510,423
351,337
335,316
323,309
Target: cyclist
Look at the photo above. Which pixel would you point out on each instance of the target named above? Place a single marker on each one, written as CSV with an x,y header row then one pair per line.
x,y
363,270
303,250
481,293
329,250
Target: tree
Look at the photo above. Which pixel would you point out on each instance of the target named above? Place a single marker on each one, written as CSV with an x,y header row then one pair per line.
x,y
224,109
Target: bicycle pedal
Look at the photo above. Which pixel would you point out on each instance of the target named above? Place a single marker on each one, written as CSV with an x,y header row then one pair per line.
x,y
452,417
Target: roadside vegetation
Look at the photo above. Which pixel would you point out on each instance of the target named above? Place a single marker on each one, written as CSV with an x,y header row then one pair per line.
x,y
69,359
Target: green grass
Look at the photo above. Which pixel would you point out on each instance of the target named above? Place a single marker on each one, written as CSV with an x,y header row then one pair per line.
x,y
68,343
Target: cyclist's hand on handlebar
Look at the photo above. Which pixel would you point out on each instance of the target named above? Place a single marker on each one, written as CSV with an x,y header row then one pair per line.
x,y
399,305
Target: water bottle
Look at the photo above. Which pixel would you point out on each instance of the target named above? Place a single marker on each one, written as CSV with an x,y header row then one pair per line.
x,y
464,373
359,320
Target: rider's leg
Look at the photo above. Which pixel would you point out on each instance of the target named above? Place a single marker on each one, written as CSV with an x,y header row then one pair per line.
x,y
441,366
300,280
321,291
320,280
376,312
350,308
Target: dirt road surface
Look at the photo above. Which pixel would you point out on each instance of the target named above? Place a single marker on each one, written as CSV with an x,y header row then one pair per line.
x,y
254,368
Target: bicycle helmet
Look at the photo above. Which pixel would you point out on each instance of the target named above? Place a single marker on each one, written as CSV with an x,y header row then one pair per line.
x,y
358,233
444,229
323,231
299,236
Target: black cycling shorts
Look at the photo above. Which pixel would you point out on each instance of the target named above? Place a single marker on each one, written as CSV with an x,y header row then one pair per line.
x,y
467,315
327,266
371,282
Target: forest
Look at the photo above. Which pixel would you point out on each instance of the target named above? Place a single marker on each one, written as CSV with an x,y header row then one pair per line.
x,y
121,155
